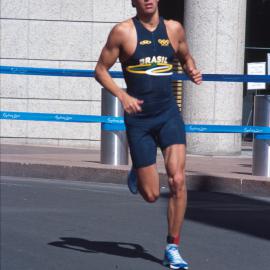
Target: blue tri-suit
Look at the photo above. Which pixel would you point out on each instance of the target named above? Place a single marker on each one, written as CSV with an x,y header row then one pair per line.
x,y
148,77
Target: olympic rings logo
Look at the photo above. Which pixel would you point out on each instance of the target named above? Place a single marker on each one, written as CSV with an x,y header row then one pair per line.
x,y
164,42
157,69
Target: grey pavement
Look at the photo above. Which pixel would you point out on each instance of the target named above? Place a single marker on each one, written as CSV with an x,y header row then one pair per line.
x,y
232,174
56,224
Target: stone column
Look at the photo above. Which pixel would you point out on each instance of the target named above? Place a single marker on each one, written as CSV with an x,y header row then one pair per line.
x,y
215,32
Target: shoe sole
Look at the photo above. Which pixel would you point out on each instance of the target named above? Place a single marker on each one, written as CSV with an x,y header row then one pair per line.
x,y
167,264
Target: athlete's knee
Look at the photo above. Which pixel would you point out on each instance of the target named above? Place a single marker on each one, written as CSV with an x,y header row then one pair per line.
x,y
178,183
151,197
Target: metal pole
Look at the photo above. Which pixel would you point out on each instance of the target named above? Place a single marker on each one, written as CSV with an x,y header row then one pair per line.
x,y
114,146
261,148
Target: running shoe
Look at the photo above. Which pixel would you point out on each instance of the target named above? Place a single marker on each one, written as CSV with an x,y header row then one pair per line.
x,y
173,259
132,181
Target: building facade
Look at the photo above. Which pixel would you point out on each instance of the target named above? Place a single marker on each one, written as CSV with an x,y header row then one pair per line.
x,y
55,34
71,33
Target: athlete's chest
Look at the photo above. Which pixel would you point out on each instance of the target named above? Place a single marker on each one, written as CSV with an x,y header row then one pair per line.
x,y
146,47
153,47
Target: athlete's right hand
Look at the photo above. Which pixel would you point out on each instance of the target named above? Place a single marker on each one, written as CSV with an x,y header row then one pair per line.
x,y
131,104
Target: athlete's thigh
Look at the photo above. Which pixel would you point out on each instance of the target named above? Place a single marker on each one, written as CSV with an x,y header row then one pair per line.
x,y
175,159
142,145
148,179
143,151
172,131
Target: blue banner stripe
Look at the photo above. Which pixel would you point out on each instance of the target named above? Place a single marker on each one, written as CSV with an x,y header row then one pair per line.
x,y
262,136
113,127
226,78
118,74
226,129
119,121
46,71
77,118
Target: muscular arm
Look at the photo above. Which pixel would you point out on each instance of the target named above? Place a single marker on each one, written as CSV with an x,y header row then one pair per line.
x,y
183,54
107,59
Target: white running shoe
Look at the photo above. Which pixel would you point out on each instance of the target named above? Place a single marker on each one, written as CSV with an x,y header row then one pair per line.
x,y
173,259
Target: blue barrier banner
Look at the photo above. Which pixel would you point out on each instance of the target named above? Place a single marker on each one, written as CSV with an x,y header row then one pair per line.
x,y
117,74
117,123
226,129
46,71
113,127
77,118
262,136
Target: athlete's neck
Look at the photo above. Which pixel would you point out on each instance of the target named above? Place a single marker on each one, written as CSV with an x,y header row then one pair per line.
x,y
149,21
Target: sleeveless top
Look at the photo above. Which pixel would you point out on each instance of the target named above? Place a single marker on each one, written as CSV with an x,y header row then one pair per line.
x,y
148,71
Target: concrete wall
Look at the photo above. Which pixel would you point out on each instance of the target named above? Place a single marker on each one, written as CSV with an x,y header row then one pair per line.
x,y
54,34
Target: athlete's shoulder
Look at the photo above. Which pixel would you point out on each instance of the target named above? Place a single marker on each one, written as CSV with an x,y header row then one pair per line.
x,y
119,33
174,27
122,29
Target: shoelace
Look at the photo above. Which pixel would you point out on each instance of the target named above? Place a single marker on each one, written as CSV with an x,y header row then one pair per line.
x,y
175,254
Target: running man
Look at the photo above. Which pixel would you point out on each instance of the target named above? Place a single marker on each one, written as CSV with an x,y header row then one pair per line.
x,y
146,46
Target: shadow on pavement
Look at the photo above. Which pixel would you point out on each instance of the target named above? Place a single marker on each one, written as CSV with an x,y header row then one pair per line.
x,y
232,212
129,250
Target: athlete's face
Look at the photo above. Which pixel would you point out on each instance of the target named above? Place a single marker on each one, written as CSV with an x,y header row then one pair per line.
x,y
146,6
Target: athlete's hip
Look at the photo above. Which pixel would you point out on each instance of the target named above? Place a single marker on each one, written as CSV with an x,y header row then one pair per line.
x,y
153,114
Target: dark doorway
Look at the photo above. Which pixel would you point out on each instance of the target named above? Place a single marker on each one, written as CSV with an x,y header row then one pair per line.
x,y
257,47
258,30
172,9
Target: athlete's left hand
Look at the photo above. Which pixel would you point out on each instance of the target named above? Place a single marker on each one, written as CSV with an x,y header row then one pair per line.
x,y
195,75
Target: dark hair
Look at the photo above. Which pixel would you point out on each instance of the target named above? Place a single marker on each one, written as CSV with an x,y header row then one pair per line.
x,y
132,3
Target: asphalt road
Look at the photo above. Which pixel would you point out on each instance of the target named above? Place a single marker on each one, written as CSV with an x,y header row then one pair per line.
x,y
50,224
